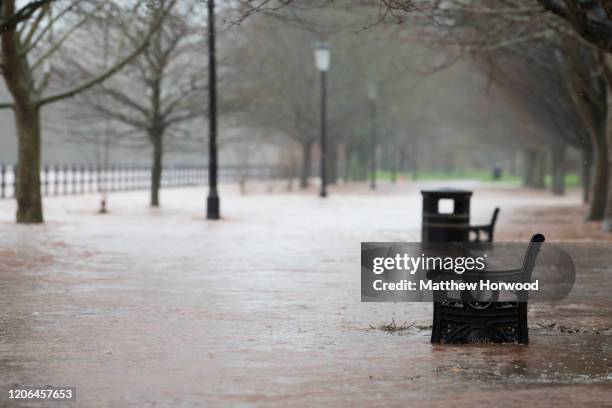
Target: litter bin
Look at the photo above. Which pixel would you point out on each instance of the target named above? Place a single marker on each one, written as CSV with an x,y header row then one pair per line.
x,y
446,215
496,173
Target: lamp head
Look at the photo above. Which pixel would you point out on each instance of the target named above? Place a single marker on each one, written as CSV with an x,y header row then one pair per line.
x,y
372,91
322,56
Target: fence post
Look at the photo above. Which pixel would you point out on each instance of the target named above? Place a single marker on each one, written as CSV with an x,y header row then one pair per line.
x,y
121,177
99,179
73,178
15,180
2,181
66,170
114,173
56,179
128,177
135,178
82,179
110,179
46,179
141,178
116,177
90,178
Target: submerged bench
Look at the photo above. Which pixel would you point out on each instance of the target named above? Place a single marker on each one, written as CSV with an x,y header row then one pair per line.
x,y
472,318
488,229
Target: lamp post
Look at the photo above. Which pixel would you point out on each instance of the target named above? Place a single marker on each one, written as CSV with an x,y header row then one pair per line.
x,y
212,202
322,60
373,96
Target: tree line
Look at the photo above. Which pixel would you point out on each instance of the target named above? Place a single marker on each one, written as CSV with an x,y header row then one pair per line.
x,y
135,70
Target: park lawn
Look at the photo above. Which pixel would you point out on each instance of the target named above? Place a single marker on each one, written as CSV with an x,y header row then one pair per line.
x,y
571,179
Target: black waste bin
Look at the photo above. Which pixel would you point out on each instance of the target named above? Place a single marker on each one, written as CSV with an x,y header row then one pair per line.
x,y
446,215
496,173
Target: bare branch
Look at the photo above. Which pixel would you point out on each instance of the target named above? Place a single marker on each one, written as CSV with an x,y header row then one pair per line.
x,y
23,14
56,46
589,19
36,23
31,44
114,69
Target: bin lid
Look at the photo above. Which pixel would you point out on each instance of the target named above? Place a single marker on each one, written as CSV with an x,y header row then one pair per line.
x,y
446,192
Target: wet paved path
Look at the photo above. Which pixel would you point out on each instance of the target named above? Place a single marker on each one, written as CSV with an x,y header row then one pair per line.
x,y
161,308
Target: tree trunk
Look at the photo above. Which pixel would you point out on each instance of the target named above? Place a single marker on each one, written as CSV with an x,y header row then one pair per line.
x,y
29,201
599,181
342,159
17,75
535,169
358,167
402,160
529,167
373,167
448,165
558,151
242,182
348,152
585,174
291,169
332,163
607,216
393,165
607,70
157,167
540,175
595,168
306,163
415,151
512,164
415,169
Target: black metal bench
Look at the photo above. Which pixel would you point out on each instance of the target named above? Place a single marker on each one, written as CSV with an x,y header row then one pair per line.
x,y
488,229
477,319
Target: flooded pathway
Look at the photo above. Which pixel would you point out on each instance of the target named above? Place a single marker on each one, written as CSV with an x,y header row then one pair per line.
x,y
145,307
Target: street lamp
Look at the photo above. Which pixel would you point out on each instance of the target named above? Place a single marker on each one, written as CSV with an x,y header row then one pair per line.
x,y
212,202
373,96
322,60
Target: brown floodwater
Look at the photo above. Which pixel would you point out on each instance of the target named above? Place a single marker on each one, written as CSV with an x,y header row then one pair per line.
x,y
145,307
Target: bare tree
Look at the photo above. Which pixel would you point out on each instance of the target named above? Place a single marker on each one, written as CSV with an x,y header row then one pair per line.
x,y
27,49
559,53
158,91
282,80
